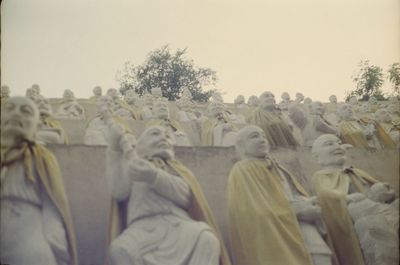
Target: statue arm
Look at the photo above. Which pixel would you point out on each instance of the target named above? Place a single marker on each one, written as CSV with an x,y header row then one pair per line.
x,y
117,178
322,126
53,229
172,188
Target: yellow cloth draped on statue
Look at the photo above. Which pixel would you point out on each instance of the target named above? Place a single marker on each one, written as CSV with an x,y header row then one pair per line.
x,y
48,171
331,187
263,227
54,123
199,209
351,133
277,131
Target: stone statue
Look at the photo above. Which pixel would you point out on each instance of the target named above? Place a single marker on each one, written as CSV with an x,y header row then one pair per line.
x,y
284,104
391,128
69,107
299,98
50,129
168,219
240,102
361,132
186,110
365,111
373,101
97,94
253,101
266,200
394,112
31,94
332,185
162,117
218,130
36,89
146,111
36,226
331,107
270,119
5,93
312,125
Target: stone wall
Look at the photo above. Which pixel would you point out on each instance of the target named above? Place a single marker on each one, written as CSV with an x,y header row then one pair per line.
x,y
83,169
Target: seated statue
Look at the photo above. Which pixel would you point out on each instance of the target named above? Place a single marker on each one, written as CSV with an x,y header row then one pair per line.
x,y
218,130
36,226
97,94
312,125
36,89
272,218
50,129
5,93
269,118
390,127
186,110
332,185
240,102
162,117
69,107
332,105
284,104
168,220
361,132
299,98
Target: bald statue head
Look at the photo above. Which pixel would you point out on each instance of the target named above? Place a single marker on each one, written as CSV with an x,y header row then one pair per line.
x,y
307,101
285,96
267,100
333,99
97,91
239,100
345,112
299,97
19,121
155,141
160,110
253,101
251,143
317,108
329,151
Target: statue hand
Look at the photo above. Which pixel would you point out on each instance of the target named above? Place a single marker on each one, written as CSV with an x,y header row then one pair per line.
x,y
142,170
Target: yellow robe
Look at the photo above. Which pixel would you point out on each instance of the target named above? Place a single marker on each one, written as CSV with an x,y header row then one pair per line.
x,y
54,123
331,188
276,129
351,133
49,175
263,227
199,209
207,129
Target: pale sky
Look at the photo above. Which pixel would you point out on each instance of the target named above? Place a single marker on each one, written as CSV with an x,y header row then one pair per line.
x,y
308,46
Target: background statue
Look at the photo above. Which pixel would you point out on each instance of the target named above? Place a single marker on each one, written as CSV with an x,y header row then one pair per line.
x,y
69,107
97,94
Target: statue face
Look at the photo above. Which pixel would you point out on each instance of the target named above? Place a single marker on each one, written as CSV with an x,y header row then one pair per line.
x,y
253,101
239,99
333,99
252,142
30,93
44,106
307,101
155,141
160,110
382,116
299,97
267,100
285,96
317,108
345,111
329,151
19,119
113,93
97,91
68,94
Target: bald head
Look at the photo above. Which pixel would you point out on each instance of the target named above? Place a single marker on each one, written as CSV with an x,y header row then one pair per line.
x,y
329,151
251,143
155,141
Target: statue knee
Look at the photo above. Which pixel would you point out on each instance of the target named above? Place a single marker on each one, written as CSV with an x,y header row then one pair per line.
x,y
209,242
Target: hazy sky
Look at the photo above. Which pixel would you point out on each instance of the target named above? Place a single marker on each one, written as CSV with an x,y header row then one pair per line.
x,y
311,46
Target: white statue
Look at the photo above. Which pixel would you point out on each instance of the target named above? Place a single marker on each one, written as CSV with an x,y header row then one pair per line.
x,y
186,110
253,101
384,119
50,129
240,102
161,195
284,104
218,130
264,197
299,98
69,107
36,226
162,117
333,184
97,93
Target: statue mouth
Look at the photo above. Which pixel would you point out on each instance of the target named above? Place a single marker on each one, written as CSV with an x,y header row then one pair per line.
x,y
14,123
339,152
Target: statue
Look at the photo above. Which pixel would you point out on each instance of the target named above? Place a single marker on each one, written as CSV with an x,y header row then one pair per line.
x,y
168,218
312,125
284,104
218,130
162,118
365,111
5,93
373,102
31,94
253,101
270,119
390,127
36,226
97,94
331,107
332,185
299,98
240,102
394,112
69,107
361,132
119,107
272,218
239,109
36,89
50,129
186,110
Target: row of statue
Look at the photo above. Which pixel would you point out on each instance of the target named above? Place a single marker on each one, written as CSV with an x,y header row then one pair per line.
x,y
350,218
370,124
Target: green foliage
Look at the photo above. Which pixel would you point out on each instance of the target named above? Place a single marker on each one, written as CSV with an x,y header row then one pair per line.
x,y
369,80
394,77
172,72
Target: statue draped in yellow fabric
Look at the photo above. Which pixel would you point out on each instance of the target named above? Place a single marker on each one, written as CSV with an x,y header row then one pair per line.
x,y
272,219
167,216
331,185
36,226
268,118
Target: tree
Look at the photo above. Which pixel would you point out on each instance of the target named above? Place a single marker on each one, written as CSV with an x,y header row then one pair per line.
x,y
394,77
369,79
172,72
